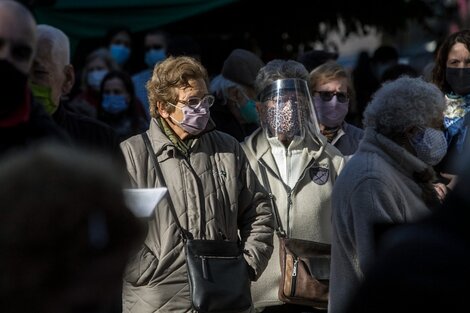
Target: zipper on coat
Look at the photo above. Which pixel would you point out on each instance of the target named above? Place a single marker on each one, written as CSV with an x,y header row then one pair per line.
x,y
294,276
290,191
289,206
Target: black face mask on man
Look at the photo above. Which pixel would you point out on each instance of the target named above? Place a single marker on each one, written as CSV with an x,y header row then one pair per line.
x,y
12,87
459,80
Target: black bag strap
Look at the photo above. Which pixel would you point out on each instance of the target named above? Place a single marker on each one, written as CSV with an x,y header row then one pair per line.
x,y
279,231
158,172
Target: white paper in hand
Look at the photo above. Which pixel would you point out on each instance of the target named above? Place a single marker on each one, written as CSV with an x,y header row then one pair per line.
x,y
143,201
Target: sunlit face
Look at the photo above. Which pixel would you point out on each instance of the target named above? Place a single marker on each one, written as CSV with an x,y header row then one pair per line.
x,y
336,85
458,57
115,86
197,89
17,39
331,101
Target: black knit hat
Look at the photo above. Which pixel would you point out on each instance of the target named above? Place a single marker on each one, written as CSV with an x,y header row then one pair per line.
x,y
241,67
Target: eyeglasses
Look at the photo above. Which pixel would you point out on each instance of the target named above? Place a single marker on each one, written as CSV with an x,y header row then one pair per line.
x,y
207,100
328,95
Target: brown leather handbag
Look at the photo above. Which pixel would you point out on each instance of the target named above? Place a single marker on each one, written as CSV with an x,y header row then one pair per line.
x,y
305,265
305,271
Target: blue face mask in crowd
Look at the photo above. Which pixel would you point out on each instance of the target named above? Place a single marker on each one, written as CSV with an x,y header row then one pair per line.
x,y
114,104
153,56
120,53
248,112
430,145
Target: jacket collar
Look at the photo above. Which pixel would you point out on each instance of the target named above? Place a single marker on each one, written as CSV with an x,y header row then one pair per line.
x,y
393,153
259,144
161,143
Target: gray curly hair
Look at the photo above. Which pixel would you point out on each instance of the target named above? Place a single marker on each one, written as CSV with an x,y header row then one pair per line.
x,y
279,69
402,103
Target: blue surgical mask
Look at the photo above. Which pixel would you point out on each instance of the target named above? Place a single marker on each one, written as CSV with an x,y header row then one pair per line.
x,y
94,78
120,53
114,104
153,56
248,112
430,145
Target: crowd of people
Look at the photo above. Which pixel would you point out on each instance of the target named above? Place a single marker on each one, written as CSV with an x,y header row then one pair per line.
x,y
370,161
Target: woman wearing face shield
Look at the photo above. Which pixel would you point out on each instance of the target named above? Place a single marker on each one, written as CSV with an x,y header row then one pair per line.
x,y
300,165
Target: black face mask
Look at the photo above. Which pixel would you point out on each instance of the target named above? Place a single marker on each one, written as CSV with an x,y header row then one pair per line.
x,y
12,87
459,80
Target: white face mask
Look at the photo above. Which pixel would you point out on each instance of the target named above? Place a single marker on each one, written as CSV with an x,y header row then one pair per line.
x,y
430,145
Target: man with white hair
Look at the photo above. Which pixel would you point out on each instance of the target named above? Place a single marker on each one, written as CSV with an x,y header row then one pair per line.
x,y
388,181
51,77
22,121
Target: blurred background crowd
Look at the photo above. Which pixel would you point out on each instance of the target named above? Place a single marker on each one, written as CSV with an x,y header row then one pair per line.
x,y
306,93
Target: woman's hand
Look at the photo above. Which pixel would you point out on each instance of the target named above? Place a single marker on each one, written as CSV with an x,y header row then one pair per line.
x,y
441,190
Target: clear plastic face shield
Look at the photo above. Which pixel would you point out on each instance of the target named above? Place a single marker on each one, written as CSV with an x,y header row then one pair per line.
x,y
286,110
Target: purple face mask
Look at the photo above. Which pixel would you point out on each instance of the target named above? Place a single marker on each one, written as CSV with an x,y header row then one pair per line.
x,y
195,118
331,113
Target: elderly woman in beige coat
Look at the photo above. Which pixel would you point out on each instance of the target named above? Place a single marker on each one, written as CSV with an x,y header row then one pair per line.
x,y
301,167
210,184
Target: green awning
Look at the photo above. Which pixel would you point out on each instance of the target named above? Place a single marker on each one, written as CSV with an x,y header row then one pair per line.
x,y
81,19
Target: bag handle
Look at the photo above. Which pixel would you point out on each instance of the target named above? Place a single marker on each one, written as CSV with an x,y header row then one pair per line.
x,y
158,172
279,231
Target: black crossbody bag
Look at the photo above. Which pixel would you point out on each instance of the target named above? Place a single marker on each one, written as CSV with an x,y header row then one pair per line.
x,y
217,271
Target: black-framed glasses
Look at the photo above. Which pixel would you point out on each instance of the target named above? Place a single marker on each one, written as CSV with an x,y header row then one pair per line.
x,y
207,100
328,95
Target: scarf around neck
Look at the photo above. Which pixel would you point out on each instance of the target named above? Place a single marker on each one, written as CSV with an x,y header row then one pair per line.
x,y
454,119
184,146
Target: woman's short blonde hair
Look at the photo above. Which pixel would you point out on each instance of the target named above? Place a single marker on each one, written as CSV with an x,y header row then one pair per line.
x,y
170,75
328,72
